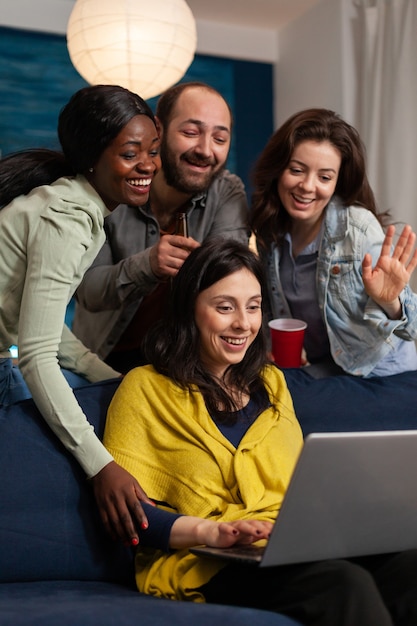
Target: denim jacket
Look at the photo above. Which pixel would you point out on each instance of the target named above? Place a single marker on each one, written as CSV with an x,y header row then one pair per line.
x,y
360,333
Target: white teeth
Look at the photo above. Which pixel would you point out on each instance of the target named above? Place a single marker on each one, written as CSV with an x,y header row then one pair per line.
x,y
235,342
140,182
303,200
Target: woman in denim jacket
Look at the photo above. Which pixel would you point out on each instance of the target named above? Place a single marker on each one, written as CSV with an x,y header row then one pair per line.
x,y
329,261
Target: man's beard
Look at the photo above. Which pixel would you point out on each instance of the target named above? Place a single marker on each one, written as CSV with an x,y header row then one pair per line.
x,y
187,183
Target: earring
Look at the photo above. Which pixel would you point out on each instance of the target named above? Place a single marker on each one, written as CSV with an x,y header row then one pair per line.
x,y
91,169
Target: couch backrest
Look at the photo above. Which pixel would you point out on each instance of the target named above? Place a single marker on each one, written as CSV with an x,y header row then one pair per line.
x,y
49,523
351,403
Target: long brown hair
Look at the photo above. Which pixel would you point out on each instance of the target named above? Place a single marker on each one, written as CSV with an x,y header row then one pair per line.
x,y
176,338
269,219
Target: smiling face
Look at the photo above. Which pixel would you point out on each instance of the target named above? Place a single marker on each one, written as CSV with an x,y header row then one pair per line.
x,y
309,180
228,316
196,142
125,170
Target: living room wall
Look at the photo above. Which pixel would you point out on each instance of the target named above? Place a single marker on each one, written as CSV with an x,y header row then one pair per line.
x,y
37,78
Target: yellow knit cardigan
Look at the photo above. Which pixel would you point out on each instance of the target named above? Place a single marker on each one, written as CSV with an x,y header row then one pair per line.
x,y
165,437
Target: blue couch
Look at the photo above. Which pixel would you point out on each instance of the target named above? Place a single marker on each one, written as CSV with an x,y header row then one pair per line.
x,y
57,565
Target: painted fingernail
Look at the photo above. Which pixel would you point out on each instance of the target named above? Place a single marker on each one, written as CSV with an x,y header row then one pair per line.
x,y
134,541
144,525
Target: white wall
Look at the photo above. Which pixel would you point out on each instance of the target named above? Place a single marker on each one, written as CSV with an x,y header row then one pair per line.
x,y
44,15
316,62
249,44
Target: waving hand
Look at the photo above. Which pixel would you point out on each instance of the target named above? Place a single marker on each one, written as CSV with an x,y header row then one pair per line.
x,y
392,272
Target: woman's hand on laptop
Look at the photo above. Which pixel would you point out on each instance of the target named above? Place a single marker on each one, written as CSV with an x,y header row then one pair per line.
x,y
188,531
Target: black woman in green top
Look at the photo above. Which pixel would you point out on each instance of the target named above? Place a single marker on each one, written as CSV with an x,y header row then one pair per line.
x,y
53,206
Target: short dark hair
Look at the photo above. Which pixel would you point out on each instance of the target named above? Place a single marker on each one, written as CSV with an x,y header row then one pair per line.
x,y
167,101
172,346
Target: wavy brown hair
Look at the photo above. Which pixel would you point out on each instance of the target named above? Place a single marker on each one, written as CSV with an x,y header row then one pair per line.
x,y
269,219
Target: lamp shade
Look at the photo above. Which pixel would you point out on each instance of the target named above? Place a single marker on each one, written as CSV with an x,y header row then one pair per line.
x,y
143,45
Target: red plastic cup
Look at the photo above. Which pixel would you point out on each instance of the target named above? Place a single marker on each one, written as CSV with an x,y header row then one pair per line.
x,y
287,338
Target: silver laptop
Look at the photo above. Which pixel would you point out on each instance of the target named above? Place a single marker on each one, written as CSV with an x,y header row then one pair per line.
x,y
351,494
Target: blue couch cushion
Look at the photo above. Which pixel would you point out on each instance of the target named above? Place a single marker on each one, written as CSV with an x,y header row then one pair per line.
x,y
348,403
68,603
41,483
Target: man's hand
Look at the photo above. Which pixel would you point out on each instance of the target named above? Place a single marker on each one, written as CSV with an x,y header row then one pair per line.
x,y
392,272
117,494
168,255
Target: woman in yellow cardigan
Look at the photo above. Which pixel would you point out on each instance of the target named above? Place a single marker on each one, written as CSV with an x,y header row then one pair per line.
x,y
210,432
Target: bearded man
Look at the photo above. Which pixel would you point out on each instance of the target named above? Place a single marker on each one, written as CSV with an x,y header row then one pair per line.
x,y
124,292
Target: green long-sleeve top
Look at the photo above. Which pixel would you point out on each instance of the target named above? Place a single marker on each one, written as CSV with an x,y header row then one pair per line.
x,y
47,241
165,437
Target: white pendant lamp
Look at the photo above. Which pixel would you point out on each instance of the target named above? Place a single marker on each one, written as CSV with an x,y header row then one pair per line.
x,y
143,45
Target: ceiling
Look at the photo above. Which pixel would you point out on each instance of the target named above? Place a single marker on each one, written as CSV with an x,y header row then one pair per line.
x,y
272,14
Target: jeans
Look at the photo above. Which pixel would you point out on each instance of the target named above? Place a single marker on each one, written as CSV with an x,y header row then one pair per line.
x,y
14,389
